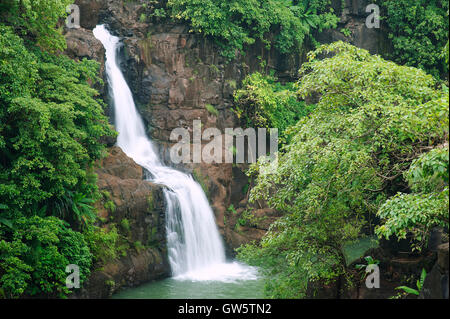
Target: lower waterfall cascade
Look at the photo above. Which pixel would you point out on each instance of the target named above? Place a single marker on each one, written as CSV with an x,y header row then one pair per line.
x,y
195,248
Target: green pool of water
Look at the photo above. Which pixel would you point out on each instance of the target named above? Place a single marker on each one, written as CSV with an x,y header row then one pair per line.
x,y
185,289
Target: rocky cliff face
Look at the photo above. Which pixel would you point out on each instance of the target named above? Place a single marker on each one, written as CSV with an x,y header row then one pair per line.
x,y
175,75
136,208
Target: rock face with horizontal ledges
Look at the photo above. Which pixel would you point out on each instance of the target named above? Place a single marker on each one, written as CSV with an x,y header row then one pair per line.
x,y
127,197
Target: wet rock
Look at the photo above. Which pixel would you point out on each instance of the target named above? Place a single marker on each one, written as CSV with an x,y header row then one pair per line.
x,y
81,43
126,196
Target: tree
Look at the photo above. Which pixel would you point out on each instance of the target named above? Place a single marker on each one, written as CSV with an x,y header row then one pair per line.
x,y
236,23
418,30
36,19
425,207
33,261
265,103
372,119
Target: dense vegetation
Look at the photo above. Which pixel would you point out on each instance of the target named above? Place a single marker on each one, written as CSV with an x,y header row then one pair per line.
x,y
51,122
364,139
36,20
418,30
263,102
236,23
354,152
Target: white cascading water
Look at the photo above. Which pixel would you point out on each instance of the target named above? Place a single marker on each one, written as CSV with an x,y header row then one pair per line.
x,y
195,248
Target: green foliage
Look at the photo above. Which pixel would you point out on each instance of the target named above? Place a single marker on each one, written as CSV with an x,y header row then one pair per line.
x,y
232,209
33,257
426,207
236,23
110,206
36,19
125,225
110,283
418,30
82,208
105,244
445,54
50,126
369,261
419,285
51,122
362,267
138,246
247,218
346,32
373,117
429,172
265,103
212,110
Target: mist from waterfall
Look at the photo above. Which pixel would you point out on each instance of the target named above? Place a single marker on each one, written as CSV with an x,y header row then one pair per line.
x,y
195,248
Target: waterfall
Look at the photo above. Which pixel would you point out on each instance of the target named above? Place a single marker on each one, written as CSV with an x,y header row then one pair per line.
x,y
195,248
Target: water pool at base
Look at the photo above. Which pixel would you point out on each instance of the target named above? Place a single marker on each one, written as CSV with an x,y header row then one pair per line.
x,y
171,288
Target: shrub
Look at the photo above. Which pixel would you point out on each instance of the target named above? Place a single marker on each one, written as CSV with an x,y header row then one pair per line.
x,y
50,127
418,30
236,23
262,102
426,207
105,245
372,119
35,255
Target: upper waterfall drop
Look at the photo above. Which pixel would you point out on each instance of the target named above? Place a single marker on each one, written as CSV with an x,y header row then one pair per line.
x,y
195,248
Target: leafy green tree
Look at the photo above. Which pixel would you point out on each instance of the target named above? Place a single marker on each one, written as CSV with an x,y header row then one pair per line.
x,y
51,123
37,20
236,23
263,102
426,207
50,126
34,256
372,119
418,30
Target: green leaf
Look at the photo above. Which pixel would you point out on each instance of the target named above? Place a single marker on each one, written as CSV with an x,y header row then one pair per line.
x,y
408,290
